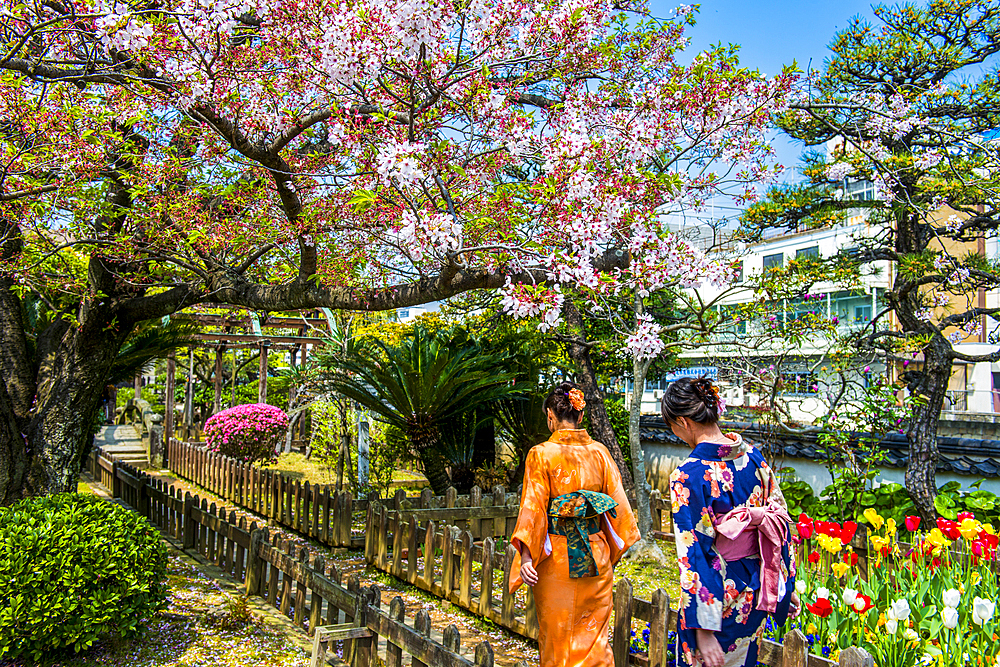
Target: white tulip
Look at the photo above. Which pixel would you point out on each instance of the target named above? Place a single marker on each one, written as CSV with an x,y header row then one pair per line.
x,y
949,615
891,625
909,634
890,615
860,604
850,596
822,593
951,598
901,609
800,587
982,610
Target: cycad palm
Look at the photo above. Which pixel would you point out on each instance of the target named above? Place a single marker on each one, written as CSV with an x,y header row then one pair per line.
x,y
423,387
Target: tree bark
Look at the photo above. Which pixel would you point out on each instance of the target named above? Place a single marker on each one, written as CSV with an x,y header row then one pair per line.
x,y
600,424
931,383
434,470
642,489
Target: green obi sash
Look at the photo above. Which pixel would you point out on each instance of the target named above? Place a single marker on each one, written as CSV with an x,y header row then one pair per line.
x,y
576,516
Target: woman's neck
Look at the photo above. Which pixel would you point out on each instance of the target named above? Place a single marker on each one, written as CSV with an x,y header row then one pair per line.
x,y
708,433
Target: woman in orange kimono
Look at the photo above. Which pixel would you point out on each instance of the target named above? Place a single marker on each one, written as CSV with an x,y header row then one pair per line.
x,y
574,524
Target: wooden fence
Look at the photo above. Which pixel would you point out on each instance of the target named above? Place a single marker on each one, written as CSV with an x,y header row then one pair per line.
x,y
471,571
301,585
318,512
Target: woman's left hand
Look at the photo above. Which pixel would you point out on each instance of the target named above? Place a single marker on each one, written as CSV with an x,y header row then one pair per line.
x,y
795,606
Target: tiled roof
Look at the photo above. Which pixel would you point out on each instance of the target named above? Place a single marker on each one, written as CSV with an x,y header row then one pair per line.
x,y
964,456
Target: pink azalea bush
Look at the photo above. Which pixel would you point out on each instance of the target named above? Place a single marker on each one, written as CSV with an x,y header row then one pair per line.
x,y
250,432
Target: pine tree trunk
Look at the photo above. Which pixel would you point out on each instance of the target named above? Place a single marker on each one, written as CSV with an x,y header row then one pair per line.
x,y
600,424
932,383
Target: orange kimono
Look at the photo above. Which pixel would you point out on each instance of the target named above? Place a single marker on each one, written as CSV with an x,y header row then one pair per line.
x,y
573,613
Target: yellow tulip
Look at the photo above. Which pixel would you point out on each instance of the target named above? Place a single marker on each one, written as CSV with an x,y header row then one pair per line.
x,y
879,543
890,525
840,569
936,538
811,629
988,527
874,518
976,578
969,529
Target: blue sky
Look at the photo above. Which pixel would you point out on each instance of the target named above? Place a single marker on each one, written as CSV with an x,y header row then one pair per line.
x,y
771,33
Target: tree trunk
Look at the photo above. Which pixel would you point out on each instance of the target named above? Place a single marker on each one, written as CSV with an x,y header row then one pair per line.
x,y
434,469
931,383
642,488
600,424
42,448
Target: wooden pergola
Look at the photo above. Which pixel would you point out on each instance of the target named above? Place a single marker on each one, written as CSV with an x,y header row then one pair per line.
x,y
291,337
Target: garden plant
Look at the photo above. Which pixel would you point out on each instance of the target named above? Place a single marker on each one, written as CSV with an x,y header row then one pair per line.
x,y
252,432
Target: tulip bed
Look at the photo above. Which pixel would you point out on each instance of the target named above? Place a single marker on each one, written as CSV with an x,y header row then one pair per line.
x,y
926,597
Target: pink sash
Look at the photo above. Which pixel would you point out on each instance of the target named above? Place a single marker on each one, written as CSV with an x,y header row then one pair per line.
x,y
756,531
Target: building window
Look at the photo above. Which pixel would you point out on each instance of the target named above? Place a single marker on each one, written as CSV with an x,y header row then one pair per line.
x,y
403,313
775,261
803,253
862,314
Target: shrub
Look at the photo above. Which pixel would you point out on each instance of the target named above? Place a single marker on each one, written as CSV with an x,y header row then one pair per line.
x,y
75,569
250,432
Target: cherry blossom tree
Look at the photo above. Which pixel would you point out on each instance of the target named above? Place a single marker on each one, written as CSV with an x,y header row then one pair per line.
x,y
911,106
277,155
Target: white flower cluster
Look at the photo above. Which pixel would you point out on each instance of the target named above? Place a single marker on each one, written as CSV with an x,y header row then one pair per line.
x,y
838,171
528,301
435,233
645,342
399,160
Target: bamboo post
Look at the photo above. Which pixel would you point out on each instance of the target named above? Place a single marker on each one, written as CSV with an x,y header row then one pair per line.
x,y
411,551
217,379
507,598
429,556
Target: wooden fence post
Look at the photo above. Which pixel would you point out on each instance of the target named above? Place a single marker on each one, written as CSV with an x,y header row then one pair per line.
x,y
623,623
116,485
795,649
484,654
475,524
394,653
189,524
855,657
486,576
255,562
422,624
452,639
658,629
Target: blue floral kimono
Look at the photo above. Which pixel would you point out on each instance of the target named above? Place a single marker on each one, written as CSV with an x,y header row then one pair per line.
x,y
718,595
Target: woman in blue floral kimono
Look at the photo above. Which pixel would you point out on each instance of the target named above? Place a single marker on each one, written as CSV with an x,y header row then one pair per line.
x,y
731,529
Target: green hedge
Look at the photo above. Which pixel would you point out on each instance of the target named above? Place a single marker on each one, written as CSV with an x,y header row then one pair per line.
x,y
74,569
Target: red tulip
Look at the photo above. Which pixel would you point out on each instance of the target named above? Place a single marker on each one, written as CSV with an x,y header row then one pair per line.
x,y
912,523
962,516
949,528
850,558
848,531
805,529
822,608
803,518
814,557
868,604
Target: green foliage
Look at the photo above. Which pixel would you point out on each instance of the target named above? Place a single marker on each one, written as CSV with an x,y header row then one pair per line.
x,y
75,569
951,500
618,416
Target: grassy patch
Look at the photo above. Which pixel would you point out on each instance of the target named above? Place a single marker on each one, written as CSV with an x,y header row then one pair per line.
x,y
647,576
203,626
296,466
